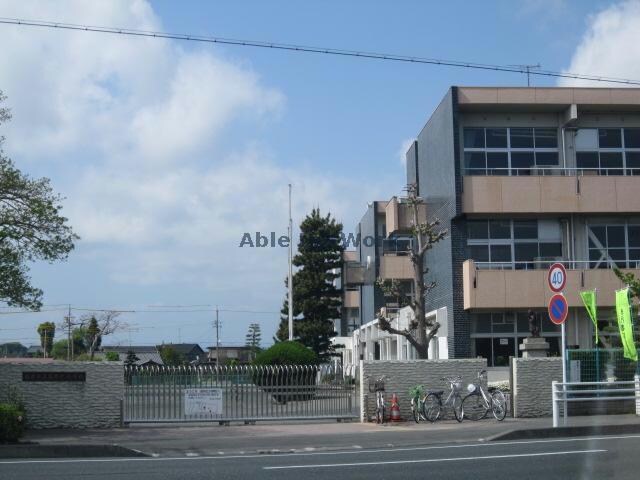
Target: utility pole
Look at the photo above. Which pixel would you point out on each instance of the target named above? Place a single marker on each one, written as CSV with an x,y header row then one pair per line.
x,y
217,325
290,280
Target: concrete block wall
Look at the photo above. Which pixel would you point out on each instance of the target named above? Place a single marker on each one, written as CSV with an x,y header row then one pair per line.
x,y
62,404
531,385
401,375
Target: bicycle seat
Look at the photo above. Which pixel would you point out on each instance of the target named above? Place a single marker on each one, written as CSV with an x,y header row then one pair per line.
x,y
436,392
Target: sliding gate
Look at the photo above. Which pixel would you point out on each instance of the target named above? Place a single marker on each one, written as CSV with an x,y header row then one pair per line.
x,y
239,393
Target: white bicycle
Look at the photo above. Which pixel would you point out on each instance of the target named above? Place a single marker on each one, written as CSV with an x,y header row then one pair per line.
x,y
377,387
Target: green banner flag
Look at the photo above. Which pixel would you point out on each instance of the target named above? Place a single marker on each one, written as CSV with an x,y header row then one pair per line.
x,y
623,310
589,300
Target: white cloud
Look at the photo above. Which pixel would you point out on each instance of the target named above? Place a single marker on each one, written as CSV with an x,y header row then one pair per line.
x,y
132,130
610,46
402,151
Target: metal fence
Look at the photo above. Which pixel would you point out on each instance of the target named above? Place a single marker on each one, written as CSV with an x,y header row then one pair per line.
x,y
599,365
598,392
239,393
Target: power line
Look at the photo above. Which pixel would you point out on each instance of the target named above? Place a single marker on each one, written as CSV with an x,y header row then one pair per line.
x,y
320,50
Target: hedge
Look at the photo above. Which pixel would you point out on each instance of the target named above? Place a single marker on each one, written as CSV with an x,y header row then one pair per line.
x,y
287,353
11,423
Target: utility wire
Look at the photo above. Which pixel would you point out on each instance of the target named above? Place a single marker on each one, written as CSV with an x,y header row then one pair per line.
x,y
311,49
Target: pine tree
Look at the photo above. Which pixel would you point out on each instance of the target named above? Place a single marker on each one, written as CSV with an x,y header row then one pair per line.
x,y
253,338
316,300
131,359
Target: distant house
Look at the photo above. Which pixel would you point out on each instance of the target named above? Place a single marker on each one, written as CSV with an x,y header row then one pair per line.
x,y
192,352
224,355
147,355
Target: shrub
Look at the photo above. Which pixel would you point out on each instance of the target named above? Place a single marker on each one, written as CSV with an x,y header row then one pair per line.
x,y
11,423
112,356
286,353
287,383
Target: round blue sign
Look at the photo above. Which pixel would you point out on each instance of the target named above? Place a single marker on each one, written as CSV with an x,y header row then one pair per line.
x,y
558,309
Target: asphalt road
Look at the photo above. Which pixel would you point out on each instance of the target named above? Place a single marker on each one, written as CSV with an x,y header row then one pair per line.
x,y
551,459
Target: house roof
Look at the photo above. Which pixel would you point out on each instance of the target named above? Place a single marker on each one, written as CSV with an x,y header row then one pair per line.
x,y
137,349
34,349
229,347
183,348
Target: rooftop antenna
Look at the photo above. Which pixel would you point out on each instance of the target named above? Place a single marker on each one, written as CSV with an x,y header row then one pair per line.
x,y
527,69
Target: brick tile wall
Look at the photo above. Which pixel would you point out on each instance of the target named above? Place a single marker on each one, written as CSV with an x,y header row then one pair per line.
x,y
94,403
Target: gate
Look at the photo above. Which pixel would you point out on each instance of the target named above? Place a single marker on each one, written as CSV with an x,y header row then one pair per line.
x,y
239,393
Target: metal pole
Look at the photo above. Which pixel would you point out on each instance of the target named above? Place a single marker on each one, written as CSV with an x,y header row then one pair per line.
x,y
290,280
564,369
554,404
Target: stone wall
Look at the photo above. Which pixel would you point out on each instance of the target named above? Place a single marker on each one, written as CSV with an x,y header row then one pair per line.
x,y
531,385
401,375
68,404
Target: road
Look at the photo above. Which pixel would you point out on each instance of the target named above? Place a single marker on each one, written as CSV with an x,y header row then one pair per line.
x,y
551,459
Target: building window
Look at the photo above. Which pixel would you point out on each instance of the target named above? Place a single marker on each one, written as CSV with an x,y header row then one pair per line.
x,y
614,245
509,151
520,244
608,151
496,336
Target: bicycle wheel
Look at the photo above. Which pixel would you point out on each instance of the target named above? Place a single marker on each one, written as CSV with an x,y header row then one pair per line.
x,y
474,407
458,411
431,407
415,410
498,405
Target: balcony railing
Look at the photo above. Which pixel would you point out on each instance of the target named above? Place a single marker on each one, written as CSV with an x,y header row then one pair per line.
x,y
568,264
551,171
400,246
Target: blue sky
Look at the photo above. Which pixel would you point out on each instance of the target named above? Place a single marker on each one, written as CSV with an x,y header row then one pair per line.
x,y
169,151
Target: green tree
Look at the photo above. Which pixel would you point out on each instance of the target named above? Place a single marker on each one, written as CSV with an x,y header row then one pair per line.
x,y
31,228
13,349
113,356
253,339
131,359
425,235
47,331
93,337
170,356
316,300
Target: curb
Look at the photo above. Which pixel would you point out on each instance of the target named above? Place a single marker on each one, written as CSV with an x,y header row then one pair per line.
x,y
67,451
559,432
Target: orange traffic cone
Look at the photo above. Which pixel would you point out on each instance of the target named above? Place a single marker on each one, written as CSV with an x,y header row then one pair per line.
x,y
395,409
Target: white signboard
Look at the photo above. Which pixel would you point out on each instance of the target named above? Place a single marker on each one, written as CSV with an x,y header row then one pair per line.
x,y
203,401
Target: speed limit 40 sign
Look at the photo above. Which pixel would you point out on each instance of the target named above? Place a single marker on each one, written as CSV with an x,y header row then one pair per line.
x,y
557,277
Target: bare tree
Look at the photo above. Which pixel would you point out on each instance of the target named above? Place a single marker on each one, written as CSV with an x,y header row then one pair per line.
x,y
425,235
98,326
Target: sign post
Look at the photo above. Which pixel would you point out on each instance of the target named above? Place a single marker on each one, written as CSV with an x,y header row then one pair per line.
x,y
558,309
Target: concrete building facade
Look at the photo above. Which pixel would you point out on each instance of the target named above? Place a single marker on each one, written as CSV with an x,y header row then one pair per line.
x,y
523,177
520,178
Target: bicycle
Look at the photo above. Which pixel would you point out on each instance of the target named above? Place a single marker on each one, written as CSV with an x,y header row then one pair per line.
x,y
378,389
433,404
479,401
418,397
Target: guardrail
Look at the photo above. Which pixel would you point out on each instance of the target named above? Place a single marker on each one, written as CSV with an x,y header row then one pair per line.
x,y
574,391
239,393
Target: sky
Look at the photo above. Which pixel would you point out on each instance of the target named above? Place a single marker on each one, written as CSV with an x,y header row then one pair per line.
x,y
167,152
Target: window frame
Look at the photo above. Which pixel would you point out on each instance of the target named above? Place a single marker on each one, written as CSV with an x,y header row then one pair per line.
x,y
510,169
623,150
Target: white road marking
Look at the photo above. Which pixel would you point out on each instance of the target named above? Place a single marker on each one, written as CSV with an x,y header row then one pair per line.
x,y
434,460
336,452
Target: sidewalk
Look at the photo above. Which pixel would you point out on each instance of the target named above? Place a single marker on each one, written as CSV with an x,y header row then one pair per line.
x,y
207,439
